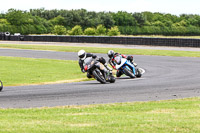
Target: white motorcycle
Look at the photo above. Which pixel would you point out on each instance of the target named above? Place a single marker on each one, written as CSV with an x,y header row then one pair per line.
x,y
127,68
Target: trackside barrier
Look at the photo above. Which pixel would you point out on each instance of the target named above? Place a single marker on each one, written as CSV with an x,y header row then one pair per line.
x,y
178,42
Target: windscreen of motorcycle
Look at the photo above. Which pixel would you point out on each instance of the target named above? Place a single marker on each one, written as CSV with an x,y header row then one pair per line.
x,y
117,60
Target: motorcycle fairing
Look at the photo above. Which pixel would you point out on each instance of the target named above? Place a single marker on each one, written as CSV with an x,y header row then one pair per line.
x,y
124,63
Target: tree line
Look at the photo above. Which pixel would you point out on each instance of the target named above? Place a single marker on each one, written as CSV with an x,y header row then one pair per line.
x,y
80,22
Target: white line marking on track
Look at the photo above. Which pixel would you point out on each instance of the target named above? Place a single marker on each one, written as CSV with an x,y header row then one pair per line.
x,y
128,79
143,71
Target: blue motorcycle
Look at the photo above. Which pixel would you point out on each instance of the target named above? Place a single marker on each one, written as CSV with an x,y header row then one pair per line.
x,y
127,68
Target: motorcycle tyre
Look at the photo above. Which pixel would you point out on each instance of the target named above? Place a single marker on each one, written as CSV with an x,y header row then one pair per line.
x,y
112,79
98,77
1,86
138,73
129,73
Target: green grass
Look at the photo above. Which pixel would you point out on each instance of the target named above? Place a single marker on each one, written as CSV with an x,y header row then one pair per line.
x,y
181,116
23,71
127,51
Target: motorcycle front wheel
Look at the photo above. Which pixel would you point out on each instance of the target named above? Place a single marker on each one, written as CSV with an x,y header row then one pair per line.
x,y
99,76
112,79
1,86
129,73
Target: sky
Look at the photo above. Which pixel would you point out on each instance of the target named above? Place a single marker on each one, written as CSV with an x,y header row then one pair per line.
x,y
175,7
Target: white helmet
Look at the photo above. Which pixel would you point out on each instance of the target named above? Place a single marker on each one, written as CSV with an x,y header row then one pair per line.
x,y
82,54
111,53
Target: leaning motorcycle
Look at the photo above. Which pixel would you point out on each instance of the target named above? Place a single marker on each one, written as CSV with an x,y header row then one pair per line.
x,y
127,68
1,86
95,68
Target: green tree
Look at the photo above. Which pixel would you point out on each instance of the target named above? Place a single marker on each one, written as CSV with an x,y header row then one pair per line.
x,y
140,19
17,17
158,23
107,19
59,20
124,19
4,21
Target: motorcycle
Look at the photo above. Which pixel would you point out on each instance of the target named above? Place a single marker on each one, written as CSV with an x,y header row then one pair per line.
x,y
127,68
95,68
1,85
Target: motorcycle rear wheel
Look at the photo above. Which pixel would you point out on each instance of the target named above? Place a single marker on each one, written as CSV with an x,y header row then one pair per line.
x,y
99,77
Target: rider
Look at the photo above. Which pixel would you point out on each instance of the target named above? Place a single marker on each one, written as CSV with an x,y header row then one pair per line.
x,y
112,55
83,55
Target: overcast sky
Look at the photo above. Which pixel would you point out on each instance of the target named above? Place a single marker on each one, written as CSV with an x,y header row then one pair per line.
x,y
176,7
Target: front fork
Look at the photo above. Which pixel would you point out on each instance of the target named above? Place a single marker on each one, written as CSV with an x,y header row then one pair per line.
x,y
130,67
103,70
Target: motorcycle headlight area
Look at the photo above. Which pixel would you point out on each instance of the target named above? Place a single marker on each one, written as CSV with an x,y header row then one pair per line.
x,y
118,60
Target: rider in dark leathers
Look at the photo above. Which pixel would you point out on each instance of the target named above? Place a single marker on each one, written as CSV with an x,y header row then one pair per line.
x,y
112,55
83,55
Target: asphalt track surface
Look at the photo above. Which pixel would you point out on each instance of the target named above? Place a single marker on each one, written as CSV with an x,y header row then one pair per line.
x,y
165,78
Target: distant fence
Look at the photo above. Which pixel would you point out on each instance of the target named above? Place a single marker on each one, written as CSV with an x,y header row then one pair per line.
x,y
178,42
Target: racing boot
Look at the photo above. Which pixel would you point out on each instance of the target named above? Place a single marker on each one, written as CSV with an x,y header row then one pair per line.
x,y
107,75
119,73
135,64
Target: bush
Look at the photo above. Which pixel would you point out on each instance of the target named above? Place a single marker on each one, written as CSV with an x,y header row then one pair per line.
x,y
59,30
101,30
77,30
90,31
114,31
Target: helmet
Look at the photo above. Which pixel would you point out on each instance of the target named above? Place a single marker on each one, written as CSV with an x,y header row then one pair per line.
x,y
82,54
111,53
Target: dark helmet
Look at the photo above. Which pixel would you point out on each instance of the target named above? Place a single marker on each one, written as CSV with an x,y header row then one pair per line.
x,y
82,54
111,53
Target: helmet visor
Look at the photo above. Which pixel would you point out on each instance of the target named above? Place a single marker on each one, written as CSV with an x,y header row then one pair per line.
x,y
82,56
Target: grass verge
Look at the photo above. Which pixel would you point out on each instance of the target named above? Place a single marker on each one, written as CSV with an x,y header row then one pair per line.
x,y
181,116
128,51
26,71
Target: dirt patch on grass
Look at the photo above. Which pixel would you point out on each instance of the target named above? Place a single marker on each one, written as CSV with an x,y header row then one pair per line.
x,y
55,82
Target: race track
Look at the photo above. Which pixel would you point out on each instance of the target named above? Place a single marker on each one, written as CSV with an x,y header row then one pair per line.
x,y
165,78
